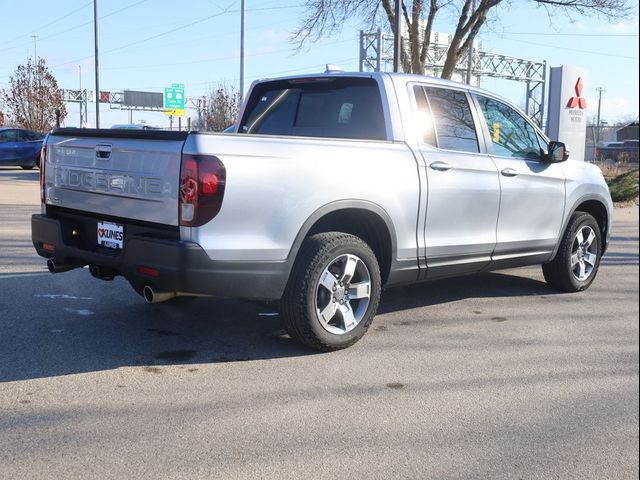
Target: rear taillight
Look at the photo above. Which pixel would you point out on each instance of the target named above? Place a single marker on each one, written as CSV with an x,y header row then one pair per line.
x,y
597,152
202,181
43,163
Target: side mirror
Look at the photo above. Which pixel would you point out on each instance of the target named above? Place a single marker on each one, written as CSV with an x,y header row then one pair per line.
x,y
557,152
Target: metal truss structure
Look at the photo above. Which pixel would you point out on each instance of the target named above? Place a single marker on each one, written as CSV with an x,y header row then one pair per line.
x,y
116,102
80,97
376,55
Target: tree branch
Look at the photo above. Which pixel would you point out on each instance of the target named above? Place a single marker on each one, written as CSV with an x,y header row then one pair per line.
x,y
426,39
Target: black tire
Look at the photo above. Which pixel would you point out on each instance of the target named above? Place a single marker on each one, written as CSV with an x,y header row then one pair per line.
x,y
26,167
299,303
559,273
37,163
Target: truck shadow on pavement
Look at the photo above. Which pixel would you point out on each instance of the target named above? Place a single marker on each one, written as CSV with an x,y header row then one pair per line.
x,y
54,333
482,285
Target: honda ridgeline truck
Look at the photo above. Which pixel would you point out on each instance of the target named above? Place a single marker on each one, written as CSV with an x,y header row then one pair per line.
x,y
330,188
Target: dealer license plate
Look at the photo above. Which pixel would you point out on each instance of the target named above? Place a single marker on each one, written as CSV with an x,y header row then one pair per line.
x,y
110,235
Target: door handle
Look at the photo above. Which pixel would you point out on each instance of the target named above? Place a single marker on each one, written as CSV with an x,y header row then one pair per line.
x,y
440,166
509,172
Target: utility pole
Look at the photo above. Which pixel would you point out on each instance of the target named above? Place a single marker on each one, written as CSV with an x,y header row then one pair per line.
x,y
397,39
36,80
95,40
600,91
470,52
35,48
242,39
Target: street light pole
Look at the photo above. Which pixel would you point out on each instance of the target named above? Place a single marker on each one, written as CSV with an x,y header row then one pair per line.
x,y
397,39
95,39
242,39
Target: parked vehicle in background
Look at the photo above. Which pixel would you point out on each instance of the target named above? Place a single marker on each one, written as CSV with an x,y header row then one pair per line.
x,y
135,126
614,152
333,187
20,147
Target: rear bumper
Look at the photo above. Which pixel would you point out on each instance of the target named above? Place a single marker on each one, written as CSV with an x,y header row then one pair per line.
x,y
181,266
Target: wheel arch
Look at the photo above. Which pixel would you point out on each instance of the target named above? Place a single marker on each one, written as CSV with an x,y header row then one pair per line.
x,y
597,208
361,218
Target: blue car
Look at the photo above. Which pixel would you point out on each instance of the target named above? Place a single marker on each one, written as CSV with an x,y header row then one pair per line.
x,y
20,147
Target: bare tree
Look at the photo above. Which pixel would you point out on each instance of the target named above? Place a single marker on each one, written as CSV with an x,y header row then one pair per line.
x,y
33,97
325,17
220,108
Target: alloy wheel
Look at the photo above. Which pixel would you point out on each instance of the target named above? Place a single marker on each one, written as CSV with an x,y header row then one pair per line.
x,y
584,253
343,294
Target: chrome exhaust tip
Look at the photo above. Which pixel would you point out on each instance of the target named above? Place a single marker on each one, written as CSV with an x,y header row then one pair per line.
x,y
152,296
59,267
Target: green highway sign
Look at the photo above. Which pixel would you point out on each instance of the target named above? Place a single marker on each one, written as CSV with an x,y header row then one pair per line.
x,y
174,97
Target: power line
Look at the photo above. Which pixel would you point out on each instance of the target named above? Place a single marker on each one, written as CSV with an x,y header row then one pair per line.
x,y
172,30
110,14
591,52
208,37
573,34
228,57
42,27
75,27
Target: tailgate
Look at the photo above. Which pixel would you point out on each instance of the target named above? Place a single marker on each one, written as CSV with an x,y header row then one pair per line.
x,y
118,173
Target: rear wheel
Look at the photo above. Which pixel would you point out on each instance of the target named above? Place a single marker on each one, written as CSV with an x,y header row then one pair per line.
x,y
26,167
333,292
576,264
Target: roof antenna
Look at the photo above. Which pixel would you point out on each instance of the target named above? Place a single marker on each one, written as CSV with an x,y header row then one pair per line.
x,y
333,68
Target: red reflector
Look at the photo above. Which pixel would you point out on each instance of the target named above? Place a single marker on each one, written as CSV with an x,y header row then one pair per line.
x,y
43,164
189,187
209,184
48,247
148,271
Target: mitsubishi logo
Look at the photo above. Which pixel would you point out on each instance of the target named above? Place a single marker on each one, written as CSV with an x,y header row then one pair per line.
x,y
578,100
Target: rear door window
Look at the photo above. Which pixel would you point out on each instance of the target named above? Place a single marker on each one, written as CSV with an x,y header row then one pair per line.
x,y
424,117
7,136
325,107
455,128
33,136
25,136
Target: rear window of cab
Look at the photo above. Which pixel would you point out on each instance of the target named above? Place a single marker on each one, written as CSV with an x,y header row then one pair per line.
x,y
316,107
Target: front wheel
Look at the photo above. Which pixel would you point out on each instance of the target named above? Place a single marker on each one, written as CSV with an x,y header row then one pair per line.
x,y
333,293
576,264
26,167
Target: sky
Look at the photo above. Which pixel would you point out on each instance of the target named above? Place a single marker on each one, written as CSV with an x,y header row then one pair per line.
x,y
150,44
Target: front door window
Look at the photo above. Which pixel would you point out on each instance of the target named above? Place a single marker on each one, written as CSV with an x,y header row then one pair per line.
x,y
512,136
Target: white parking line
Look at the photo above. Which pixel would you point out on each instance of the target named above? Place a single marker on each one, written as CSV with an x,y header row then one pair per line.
x,y
19,275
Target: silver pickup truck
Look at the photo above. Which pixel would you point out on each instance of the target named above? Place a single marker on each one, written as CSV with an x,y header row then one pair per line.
x,y
332,187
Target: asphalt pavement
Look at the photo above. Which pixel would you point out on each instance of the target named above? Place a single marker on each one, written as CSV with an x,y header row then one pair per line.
x,y
491,376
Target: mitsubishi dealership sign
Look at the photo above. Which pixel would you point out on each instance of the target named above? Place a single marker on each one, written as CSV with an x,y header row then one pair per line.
x,y
567,121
